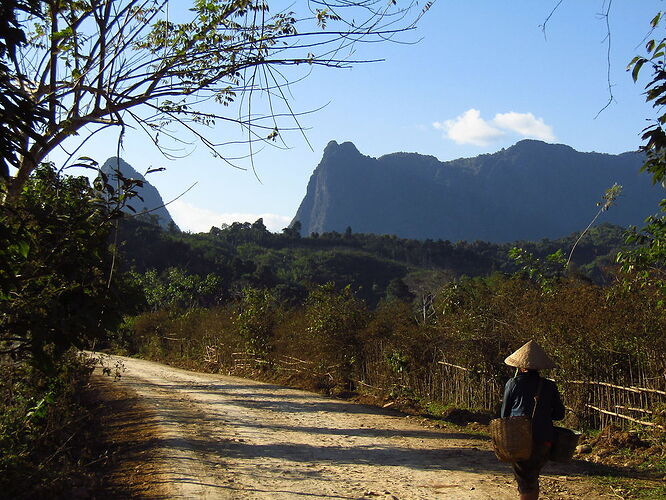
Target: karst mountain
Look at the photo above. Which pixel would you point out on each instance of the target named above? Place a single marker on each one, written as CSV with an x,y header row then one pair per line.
x,y
529,191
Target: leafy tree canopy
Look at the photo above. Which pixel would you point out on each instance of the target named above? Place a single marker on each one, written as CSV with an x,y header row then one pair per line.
x,y
646,264
54,270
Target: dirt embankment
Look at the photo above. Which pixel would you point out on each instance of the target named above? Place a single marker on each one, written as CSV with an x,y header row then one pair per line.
x,y
195,435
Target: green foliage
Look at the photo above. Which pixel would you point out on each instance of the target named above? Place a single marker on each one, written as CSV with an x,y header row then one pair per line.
x,y
654,135
333,315
54,278
609,197
398,362
376,267
40,429
646,265
545,273
175,288
20,116
258,314
334,319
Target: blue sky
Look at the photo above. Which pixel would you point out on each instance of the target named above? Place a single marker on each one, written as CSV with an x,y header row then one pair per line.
x,y
481,77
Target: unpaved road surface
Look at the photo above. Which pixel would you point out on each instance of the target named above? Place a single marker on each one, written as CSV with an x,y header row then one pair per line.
x,y
231,438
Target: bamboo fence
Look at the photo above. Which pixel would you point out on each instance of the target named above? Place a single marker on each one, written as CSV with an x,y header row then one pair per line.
x,y
635,401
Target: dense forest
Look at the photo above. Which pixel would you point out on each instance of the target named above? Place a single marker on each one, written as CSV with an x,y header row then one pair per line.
x,y
374,266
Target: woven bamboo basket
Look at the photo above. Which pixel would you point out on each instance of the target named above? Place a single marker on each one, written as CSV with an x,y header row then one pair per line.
x,y
512,438
564,444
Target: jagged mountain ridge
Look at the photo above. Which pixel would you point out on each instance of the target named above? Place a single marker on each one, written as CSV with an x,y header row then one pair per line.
x,y
529,191
152,203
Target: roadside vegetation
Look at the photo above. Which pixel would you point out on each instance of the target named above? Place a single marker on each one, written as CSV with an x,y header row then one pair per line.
x,y
50,441
54,299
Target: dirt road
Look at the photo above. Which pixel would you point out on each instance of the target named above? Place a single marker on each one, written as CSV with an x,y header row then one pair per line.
x,y
226,437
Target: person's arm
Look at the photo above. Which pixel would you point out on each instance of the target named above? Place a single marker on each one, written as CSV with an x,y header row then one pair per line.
x,y
507,400
558,406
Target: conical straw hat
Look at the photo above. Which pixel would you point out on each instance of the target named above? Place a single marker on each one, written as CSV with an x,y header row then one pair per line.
x,y
531,356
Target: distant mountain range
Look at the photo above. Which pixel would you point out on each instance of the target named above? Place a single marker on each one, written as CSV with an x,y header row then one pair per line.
x,y
152,206
530,191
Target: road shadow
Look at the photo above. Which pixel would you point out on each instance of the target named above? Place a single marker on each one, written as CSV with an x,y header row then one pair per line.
x,y
128,430
325,408
440,459
369,432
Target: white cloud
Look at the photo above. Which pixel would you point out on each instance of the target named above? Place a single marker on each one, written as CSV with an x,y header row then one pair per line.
x,y
200,220
525,124
470,128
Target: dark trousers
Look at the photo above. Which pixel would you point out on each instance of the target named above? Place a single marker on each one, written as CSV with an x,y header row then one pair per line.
x,y
527,471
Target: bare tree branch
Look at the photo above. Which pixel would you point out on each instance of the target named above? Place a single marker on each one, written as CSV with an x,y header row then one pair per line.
x,y
606,17
96,64
543,26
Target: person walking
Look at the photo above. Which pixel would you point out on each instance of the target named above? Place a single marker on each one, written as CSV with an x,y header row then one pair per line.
x,y
521,393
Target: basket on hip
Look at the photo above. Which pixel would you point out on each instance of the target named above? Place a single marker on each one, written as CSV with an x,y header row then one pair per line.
x,y
512,438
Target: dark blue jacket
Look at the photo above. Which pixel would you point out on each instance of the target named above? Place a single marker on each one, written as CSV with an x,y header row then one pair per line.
x,y
519,400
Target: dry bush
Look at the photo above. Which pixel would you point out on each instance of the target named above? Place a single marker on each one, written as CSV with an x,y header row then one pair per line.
x,y
454,357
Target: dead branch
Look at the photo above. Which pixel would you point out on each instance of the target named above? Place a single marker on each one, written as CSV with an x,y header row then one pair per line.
x,y
626,417
454,366
606,384
641,410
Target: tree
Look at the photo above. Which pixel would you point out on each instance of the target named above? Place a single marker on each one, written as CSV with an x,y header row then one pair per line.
x,y
177,289
13,101
54,288
293,231
117,63
334,320
647,262
398,290
655,134
256,319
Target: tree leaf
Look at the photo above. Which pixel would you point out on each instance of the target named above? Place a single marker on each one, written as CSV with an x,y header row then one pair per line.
x,y
637,68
